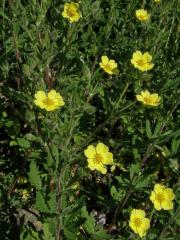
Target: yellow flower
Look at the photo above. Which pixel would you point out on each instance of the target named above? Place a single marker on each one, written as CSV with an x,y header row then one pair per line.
x,y
142,61
109,65
50,101
149,99
98,157
157,1
138,222
71,12
162,197
142,15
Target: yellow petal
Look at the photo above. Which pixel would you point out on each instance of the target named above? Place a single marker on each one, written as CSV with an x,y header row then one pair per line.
x,y
90,152
52,94
149,66
169,194
91,164
157,205
146,223
101,148
158,188
147,57
137,55
113,64
101,169
105,60
137,213
107,158
155,96
167,205
40,95
145,94
141,232
153,196
139,98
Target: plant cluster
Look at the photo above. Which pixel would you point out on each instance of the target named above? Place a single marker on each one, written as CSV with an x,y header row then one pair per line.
x,y
99,161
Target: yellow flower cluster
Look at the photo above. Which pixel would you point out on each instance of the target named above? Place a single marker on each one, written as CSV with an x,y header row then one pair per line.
x,y
71,12
99,156
50,101
162,198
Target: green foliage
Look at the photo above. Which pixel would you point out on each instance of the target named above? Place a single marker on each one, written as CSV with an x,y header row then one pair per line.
x,y
42,152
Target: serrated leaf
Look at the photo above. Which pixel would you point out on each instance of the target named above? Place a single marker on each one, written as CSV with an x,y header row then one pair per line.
x,y
134,169
34,176
143,182
89,225
40,202
52,203
47,234
122,180
69,235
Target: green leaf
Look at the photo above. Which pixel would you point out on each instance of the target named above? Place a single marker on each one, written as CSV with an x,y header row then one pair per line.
x,y
22,142
34,176
89,224
4,16
148,129
175,146
101,235
40,203
117,194
84,212
52,202
143,182
134,169
158,128
122,180
69,235
47,234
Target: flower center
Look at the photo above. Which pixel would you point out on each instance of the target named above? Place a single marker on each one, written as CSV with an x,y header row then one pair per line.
x,y
98,158
140,62
160,197
147,100
48,102
70,12
108,67
137,222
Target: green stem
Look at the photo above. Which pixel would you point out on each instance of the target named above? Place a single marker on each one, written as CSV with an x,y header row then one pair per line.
x,y
122,95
